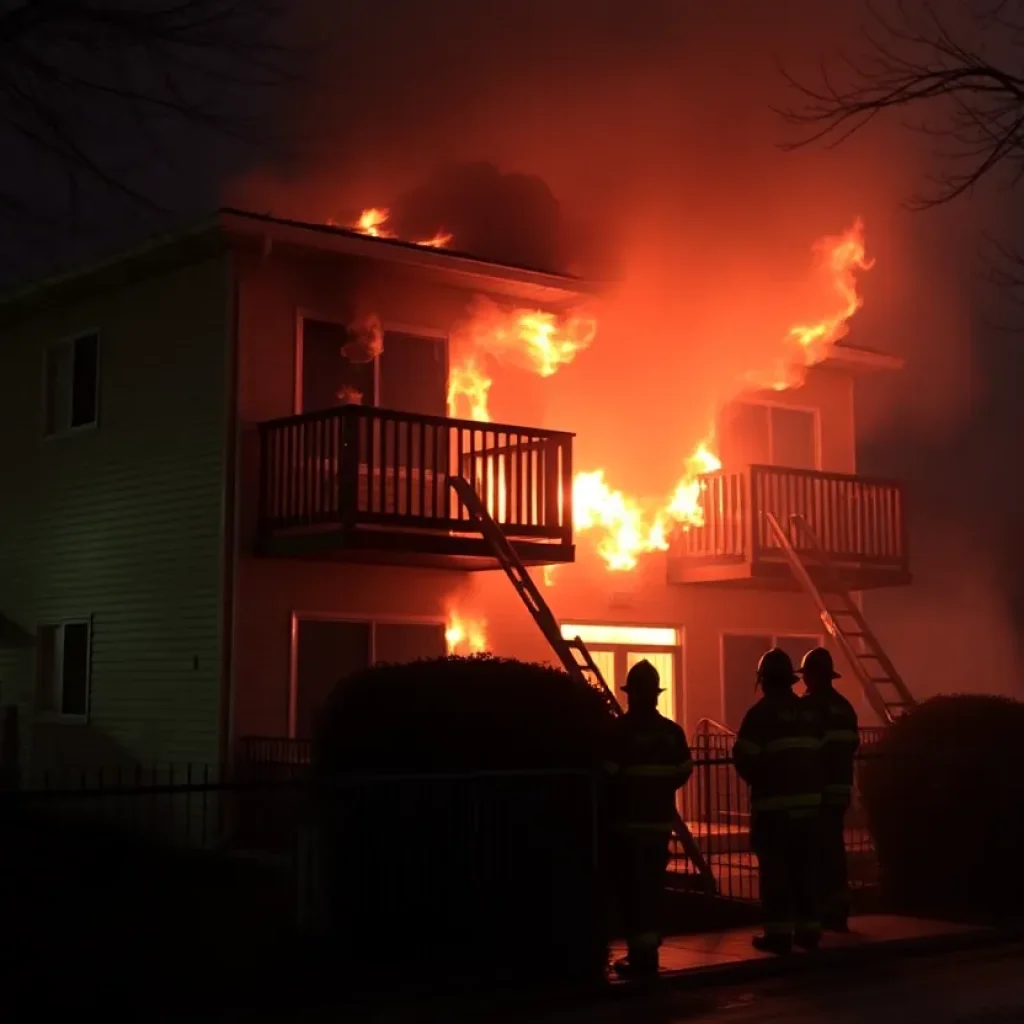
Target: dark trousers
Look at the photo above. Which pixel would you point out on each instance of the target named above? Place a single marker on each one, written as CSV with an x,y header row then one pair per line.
x,y
786,847
639,862
833,884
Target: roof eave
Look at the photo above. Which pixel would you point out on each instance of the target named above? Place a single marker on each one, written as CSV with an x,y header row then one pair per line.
x,y
862,360
535,284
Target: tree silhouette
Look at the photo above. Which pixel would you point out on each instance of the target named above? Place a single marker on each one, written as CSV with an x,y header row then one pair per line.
x,y
959,80
957,77
89,87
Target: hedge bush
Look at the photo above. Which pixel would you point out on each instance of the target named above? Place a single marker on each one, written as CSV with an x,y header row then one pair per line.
x,y
430,862
943,789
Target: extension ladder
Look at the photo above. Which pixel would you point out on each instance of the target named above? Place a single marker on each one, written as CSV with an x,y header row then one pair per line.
x,y
573,654
844,621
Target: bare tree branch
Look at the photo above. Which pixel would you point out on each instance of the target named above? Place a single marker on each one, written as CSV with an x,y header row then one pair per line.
x,y
89,87
947,81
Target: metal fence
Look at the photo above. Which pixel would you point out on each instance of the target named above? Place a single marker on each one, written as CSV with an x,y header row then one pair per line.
x,y
262,808
715,804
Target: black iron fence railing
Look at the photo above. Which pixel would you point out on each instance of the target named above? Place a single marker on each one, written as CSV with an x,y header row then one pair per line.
x,y
263,804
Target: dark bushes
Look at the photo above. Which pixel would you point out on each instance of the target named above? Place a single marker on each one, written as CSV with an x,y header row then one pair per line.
x,y
458,813
944,793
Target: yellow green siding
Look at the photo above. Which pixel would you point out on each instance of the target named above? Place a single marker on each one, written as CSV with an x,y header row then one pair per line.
x,y
124,523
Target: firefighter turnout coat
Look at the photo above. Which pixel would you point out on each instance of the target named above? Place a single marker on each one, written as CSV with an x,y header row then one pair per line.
x,y
841,741
778,753
648,759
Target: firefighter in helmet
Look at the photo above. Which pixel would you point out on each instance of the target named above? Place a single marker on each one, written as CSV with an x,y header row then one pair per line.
x,y
842,739
778,752
647,761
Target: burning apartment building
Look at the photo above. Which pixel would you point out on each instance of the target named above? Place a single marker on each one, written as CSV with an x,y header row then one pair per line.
x,y
231,466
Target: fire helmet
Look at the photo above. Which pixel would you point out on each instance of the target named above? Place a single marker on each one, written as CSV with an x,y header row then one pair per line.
x,y
817,664
643,678
776,666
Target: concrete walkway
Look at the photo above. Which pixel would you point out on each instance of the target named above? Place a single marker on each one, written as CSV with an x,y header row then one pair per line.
x,y
730,953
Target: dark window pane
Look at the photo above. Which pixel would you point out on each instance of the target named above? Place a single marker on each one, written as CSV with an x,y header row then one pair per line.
x,y
743,429
84,380
328,651
404,641
75,670
793,438
414,378
327,374
740,655
46,668
414,374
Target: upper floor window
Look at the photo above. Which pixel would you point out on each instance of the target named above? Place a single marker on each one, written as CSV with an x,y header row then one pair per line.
x,y
63,669
409,375
72,383
752,433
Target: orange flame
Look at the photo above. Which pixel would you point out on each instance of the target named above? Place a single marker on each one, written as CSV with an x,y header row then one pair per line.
x,y
629,531
465,636
539,341
372,220
468,388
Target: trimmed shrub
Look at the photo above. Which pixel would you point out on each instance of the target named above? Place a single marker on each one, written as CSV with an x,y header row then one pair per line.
x,y
943,789
458,820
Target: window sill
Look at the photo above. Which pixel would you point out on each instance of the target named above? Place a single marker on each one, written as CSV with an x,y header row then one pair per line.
x,y
85,428
55,718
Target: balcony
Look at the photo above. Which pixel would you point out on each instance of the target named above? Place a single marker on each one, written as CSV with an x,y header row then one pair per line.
x,y
358,483
860,523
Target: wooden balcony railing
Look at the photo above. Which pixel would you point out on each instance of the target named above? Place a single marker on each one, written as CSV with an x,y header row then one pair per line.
x,y
858,521
354,466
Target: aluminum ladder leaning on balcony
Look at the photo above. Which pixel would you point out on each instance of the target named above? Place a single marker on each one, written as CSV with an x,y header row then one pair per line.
x,y
582,667
844,621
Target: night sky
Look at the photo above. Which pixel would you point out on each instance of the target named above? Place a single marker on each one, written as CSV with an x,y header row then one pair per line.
x,y
637,138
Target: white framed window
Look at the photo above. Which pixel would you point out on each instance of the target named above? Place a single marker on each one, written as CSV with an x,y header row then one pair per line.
x,y
72,384
740,653
617,648
409,375
769,434
326,648
64,670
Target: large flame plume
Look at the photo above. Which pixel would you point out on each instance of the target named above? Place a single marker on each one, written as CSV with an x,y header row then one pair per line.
x,y
628,528
528,338
625,527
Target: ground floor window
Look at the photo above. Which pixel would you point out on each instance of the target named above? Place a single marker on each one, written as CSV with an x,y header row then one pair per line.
x,y
326,649
740,655
63,669
616,649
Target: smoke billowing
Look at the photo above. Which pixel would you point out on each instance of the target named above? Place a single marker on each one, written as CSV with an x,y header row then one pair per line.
x,y
637,141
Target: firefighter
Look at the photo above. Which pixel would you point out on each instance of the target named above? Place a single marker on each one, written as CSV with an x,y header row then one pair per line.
x,y
842,739
648,760
777,752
